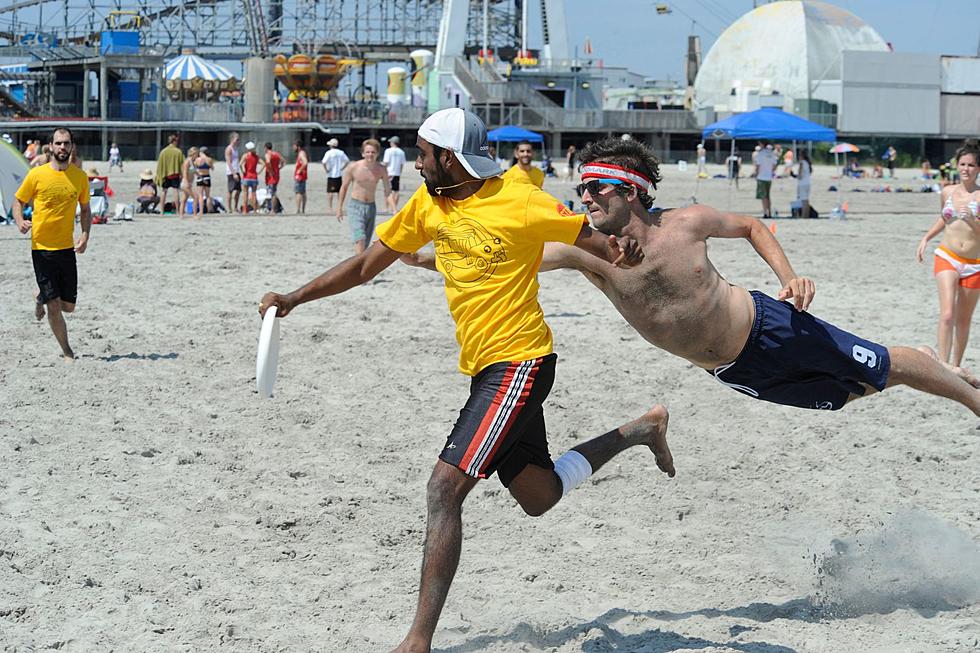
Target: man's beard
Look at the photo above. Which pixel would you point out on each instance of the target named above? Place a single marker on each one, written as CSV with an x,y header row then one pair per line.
x,y
62,156
439,182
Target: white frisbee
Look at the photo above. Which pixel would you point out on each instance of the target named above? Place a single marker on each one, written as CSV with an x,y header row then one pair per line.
x,y
267,359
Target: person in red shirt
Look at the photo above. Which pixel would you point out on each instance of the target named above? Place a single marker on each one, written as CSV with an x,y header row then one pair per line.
x,y
299,176
250,176
273,164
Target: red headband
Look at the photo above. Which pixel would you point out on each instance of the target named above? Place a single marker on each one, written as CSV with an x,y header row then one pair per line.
x,y
609,171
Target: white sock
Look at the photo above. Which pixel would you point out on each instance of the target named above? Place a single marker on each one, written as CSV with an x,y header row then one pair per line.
x,y
572,468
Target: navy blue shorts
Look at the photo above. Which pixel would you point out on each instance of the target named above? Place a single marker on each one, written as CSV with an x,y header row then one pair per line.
x,y
501,428
795,359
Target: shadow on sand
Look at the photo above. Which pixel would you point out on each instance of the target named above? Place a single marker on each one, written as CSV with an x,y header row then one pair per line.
x,y
138,357
665,641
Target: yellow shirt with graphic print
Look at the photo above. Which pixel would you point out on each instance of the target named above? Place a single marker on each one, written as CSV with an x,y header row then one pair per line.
x,y
518,174
55,194
488,247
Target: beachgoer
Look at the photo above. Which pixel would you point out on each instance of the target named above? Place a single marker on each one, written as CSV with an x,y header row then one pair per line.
x,y
334,161
765,163
43,158
115,158
169,165
928,174
524,171
676,299
187,193
803,183
361,179
957,259
571,161
203,165
788,162
394,158
300,173
892,156
30,150
733,164
488,237
55,189
147,197
273,165
250,177
234,174
702,161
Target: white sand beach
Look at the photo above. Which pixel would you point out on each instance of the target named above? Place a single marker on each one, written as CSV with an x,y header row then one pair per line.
x,y
151,501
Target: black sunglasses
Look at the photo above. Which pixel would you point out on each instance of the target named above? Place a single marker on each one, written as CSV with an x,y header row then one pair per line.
x,y
595,186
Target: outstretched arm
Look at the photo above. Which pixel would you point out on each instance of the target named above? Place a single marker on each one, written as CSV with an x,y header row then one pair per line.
x,y
345,275
622,253
711,223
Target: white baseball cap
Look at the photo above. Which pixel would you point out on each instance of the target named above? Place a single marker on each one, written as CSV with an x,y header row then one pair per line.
x,y
465,135
333,142
250,145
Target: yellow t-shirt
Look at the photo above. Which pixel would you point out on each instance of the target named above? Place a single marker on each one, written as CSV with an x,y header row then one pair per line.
x,y
488,247
55,194
516,173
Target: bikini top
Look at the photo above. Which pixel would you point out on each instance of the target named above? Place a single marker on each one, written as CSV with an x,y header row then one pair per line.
x,y
949,211
204,167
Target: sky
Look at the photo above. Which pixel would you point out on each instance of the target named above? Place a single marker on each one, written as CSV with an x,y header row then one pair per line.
x,y
630,33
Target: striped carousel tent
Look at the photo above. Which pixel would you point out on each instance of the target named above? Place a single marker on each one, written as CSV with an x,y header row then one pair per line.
x,y
190,66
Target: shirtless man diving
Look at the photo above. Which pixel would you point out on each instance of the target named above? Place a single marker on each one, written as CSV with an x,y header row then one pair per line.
x,y
675,298
361,180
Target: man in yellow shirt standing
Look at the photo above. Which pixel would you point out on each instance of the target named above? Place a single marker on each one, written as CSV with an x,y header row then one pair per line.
x,y
489,237
55,189
525,170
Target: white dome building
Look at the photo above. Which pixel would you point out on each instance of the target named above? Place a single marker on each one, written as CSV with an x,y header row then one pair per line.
x,y
790,48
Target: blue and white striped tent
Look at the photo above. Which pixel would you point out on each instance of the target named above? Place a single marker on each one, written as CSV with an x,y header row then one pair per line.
x,y
191,66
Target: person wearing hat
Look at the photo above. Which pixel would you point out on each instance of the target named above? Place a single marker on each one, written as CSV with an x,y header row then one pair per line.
x,y
146,197
489,236
334,161
250,177
394,159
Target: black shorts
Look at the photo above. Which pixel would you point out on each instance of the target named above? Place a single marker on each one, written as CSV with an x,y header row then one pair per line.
x,y
501,428
333,184
395,184
234,183
204,182
56,274
795,359
172,181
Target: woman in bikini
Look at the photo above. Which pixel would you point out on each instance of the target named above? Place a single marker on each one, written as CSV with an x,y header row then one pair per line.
x,y
186,181
203,164
957,259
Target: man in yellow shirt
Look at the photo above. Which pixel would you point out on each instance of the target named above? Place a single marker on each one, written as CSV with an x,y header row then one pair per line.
x,y
524,170
55,189
489,237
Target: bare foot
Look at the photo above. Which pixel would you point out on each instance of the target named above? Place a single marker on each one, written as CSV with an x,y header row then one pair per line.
x,y
69,357
38,310
961,372
651,430
411,647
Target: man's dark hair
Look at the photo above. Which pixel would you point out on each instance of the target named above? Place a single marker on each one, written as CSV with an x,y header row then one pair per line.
x,y
528,143
174,138
299,142
62,129
268,146
630,154
969,147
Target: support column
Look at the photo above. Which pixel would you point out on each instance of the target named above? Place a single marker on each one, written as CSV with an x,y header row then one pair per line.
x,y
85,91
103,104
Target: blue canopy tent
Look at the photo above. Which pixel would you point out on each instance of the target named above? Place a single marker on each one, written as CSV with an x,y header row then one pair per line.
x,y
512,134
768,123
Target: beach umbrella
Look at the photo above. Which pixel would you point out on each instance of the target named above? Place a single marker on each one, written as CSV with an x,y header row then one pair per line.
x,y
13,169
842,148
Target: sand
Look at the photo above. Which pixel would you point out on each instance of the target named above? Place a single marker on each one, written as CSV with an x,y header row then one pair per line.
x,y
150,501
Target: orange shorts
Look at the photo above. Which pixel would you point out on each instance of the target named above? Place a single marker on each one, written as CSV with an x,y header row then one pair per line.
x,y
968,269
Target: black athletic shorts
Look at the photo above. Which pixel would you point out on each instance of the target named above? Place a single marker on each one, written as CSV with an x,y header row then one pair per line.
x,y
501,428
333,184
173,181
56,274
395,184
204,182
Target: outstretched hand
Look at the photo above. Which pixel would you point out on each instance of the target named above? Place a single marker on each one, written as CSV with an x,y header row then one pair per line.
x,y
281,302
624,252
800,290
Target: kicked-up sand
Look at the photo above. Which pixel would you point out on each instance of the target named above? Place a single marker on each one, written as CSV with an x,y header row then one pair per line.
x,y
150,501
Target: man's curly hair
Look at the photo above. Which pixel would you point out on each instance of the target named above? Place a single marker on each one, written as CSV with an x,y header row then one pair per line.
x,y
627,154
